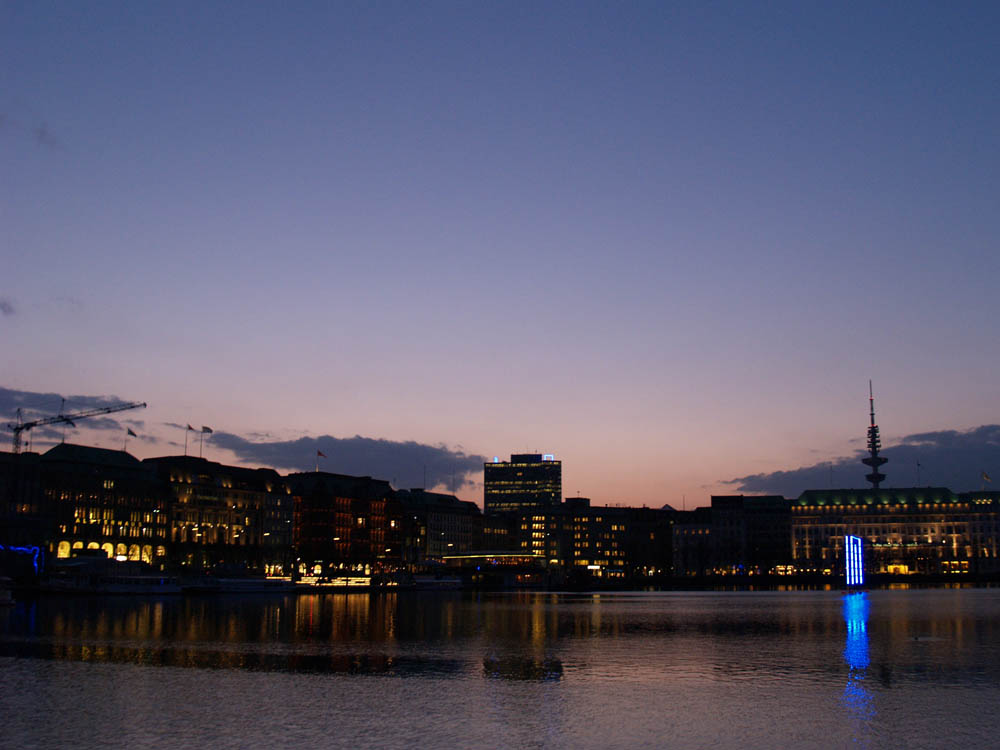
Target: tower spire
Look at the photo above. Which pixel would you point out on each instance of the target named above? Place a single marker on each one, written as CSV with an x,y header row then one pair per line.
x,y
874,460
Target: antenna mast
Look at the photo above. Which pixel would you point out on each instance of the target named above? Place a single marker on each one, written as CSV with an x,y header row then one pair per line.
x,y
874,460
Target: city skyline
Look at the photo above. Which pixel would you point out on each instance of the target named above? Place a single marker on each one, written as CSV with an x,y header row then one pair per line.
x,y
675,241
947,458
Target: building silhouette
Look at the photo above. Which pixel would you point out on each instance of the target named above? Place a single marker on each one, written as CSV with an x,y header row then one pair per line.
x,y
436,524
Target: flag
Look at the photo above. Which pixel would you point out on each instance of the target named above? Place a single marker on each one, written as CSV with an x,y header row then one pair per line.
x,y
320,454
986,477
191,428
129,431
206,429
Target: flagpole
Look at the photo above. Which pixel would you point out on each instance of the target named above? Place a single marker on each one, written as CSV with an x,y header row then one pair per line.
x,y
186,441
201,443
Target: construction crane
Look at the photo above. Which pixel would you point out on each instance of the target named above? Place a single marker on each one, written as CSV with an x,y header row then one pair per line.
x,y
69,419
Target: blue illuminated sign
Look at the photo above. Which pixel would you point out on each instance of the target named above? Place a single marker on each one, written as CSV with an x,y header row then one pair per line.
x,y
854,561
496,459
548,457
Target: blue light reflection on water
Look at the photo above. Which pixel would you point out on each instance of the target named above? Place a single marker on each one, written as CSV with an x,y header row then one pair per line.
x,y
857,698
543,670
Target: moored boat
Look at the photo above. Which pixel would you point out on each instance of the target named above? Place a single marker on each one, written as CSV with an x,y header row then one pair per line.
x,y
97,576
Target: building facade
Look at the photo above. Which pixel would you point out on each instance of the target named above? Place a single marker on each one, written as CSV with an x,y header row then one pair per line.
x,y
436,524
527,482
345,524
692,542
911,530
599,541
228,516
104,500
737,535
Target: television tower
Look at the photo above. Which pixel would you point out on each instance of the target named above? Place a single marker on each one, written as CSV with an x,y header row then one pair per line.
x,y
874,445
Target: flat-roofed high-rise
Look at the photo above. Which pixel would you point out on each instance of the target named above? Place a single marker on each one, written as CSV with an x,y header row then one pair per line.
x,y
528,480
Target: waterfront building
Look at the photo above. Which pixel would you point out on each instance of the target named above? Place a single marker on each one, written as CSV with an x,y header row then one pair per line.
x,y
23,520
229,516
692,542
436,524
736,535
909,530
750,534
528,481
649,541
599,541
345,523
104,501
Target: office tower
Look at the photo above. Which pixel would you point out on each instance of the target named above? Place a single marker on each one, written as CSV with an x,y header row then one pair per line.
x,y
526,482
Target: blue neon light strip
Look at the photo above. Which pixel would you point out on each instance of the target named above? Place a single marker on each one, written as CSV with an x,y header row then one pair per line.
x,y
854,561
35,553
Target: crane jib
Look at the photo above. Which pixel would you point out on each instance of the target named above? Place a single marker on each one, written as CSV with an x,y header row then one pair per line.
x,y
20,427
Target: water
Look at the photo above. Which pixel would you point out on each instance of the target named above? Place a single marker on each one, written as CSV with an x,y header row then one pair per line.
x,y
913,668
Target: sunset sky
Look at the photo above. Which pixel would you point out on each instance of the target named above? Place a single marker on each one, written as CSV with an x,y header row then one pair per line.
x,y
668,242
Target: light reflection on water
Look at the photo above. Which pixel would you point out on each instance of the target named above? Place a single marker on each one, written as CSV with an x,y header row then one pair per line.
x,y
759,669
858,699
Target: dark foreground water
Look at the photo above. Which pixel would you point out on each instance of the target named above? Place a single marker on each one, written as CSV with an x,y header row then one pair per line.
x,y
916,668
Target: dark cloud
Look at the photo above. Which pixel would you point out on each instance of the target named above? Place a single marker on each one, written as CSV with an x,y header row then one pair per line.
x,y
102,423
947,458
6,307
259,436
403,463
35,405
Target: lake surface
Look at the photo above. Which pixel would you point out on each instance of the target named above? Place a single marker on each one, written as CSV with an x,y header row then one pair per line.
x,y
907,668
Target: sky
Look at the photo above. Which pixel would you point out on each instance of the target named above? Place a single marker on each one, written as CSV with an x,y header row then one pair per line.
x,y
669,243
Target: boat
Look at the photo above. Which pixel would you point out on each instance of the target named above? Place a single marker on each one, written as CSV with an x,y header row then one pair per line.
x,y
88,575
237,585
